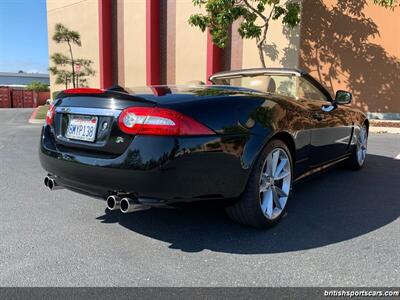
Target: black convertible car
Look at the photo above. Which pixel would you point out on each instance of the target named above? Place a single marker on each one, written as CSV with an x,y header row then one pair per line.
x,y
243,140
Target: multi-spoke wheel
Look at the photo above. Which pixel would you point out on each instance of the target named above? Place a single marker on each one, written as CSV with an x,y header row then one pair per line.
x,y
275,183
357,159
362,145
268,190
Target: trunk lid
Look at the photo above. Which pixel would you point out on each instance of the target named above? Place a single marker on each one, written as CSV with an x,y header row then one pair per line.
x,y
89,123
202,103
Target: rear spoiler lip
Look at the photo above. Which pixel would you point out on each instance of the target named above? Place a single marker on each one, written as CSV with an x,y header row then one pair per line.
x,y
104,94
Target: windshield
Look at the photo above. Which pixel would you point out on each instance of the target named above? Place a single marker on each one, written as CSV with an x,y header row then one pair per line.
x,y
280,84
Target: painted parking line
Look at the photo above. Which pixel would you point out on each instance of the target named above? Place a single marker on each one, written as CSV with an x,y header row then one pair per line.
x,y
397,157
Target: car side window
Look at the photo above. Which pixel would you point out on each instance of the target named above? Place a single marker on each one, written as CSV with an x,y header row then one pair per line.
x,y
308,91
284,85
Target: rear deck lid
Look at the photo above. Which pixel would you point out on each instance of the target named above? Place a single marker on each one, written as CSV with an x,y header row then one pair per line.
x,y
87,120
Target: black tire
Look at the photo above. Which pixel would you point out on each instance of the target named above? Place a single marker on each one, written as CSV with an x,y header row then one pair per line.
x,y
247,210
353,162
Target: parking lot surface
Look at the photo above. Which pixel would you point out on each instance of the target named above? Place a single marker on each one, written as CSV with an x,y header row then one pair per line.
x,y
342,228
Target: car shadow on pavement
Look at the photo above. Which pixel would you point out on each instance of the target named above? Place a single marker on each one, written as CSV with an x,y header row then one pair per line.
x,y
328,208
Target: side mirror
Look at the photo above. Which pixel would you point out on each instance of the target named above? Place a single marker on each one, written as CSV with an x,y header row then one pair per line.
x,y
343,97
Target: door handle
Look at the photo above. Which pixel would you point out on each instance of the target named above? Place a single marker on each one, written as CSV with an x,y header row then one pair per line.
x,y
317,116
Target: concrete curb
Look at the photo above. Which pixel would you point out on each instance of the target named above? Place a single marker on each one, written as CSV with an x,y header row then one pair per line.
x,y
379,129
384,123
33,119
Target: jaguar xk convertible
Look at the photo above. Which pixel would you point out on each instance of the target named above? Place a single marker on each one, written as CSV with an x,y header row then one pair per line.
x,y
242,141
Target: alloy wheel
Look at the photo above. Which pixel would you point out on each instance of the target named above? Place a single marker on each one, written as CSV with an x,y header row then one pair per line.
x,y
275,183
362,145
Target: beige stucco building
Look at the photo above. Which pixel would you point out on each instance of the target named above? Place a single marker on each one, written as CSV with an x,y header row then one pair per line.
x,y
351,45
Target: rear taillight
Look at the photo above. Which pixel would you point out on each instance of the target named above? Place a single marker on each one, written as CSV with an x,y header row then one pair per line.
x,y
50,114
83,91
159,121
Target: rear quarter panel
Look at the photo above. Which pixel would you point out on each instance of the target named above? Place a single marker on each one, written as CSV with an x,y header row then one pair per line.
x,y
246,122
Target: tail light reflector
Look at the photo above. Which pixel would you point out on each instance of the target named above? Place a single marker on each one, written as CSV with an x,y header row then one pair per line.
x,y
50,114
159,121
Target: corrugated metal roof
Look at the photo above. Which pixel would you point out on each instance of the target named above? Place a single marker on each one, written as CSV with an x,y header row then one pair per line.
x,y
22,78
24,74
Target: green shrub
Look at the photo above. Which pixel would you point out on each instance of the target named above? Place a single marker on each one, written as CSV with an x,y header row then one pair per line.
x,y
54,94
38,86
41,113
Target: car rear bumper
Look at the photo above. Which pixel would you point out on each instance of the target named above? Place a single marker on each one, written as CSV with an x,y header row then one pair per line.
x,y
168,169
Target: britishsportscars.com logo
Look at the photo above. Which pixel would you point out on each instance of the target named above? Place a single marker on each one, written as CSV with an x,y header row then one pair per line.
x,y
361,293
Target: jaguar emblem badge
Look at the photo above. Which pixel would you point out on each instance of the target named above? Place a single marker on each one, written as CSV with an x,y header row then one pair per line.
x,y
119,140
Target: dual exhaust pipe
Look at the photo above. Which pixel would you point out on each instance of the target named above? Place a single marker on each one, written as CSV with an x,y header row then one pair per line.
x,y
51,183
114,202
125,205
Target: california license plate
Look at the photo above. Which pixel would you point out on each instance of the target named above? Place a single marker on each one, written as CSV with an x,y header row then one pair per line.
x,y
82,128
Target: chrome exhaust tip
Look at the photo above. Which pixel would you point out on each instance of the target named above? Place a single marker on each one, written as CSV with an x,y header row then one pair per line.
x,y
113,202
46,181
52,184
129,205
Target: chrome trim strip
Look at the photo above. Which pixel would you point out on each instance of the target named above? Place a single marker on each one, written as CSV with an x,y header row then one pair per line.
x,y
255,72
89,111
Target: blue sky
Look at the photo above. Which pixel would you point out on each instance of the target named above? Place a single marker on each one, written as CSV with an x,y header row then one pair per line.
x,y
23,36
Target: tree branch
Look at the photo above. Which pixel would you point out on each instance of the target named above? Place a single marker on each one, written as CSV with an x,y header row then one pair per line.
x,y
271,12
265,30
248,5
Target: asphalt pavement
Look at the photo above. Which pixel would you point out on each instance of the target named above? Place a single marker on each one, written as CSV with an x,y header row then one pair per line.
x,y
342,228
